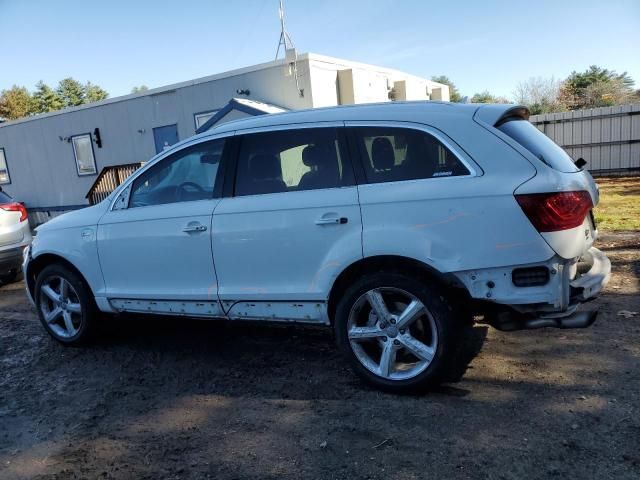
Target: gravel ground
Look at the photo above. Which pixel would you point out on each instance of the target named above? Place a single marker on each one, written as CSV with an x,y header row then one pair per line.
x,y
174,398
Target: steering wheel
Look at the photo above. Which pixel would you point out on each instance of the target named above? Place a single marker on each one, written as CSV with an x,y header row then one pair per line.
x,y
186,188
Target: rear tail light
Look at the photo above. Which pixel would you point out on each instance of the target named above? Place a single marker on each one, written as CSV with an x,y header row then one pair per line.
x,y
551,212
15,207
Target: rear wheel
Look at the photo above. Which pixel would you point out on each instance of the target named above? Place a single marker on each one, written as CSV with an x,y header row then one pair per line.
x,y
398,332
65,305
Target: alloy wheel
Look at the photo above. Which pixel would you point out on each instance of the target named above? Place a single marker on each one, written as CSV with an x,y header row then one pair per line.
x,y
60,306
392,333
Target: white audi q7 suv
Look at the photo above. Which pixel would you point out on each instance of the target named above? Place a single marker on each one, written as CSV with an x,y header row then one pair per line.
x,y
395,224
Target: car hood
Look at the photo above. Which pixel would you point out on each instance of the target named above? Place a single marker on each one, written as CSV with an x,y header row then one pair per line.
x,y
77,218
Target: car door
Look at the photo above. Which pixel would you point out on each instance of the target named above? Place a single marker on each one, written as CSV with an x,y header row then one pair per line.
x,y
290,225
155,243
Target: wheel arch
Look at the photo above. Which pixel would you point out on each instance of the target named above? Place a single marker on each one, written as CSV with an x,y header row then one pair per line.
x,y
389,263
39,263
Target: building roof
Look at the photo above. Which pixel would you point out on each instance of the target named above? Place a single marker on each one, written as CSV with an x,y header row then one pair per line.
x,y
252,107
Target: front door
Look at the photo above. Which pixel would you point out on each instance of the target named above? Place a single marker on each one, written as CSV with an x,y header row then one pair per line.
x,y
158,247
164,137
291,226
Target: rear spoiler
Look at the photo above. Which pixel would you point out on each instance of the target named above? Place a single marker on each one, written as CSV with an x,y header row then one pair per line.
x,y
495,115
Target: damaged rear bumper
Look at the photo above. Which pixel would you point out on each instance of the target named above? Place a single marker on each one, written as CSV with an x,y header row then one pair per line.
x,y
597,272
554,304
509,321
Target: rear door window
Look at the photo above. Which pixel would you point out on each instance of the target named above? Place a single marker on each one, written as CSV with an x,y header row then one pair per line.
x,y
392,154
523,132
292,160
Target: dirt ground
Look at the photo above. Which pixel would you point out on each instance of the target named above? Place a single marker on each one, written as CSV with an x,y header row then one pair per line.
x,y
161,398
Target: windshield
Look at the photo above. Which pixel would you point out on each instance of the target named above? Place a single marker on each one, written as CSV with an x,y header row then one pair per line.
x,y
523,132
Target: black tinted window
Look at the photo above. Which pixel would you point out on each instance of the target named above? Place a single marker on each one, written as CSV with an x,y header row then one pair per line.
x,y
290,160
187,175
395,154
523,132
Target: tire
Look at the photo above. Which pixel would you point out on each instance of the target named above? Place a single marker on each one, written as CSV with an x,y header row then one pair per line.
x,y
65,305
384,353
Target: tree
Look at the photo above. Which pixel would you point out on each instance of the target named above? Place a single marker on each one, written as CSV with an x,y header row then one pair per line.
x,y
45,99
539,94
140,89
71,92
16,103
596,87
93,93
486,97
454,94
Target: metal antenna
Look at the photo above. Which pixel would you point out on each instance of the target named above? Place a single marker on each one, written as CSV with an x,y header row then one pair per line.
x,y
285,40
290,54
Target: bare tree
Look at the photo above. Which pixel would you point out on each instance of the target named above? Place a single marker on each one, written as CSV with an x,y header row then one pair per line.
x,y
539,94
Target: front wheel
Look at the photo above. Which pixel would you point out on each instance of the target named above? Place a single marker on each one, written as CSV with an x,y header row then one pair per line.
x,y
399,333
65,305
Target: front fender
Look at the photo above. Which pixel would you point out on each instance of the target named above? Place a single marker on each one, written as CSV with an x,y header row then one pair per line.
x,y
76,245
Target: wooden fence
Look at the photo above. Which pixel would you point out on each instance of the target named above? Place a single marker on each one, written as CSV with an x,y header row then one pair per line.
x,y
108,181
607,138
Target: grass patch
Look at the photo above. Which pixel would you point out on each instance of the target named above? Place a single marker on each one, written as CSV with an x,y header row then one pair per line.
x,y
619,207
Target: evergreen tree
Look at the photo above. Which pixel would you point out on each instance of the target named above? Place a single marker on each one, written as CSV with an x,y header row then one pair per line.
x,y
71,92
93,93
45,99
596,87
454,94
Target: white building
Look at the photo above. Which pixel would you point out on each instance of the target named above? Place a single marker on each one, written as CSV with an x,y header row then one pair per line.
x,y
51,161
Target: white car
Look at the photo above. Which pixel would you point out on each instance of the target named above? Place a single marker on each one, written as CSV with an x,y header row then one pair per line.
x,y
15,234
395,224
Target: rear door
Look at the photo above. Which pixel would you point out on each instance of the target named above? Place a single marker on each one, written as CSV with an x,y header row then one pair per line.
x,y
291,221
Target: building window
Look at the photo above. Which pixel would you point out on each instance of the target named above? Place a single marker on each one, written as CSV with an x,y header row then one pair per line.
x,y
83,151
203,117
4,170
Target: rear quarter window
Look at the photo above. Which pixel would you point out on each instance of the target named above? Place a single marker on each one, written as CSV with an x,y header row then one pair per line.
x,y
392,154
4,198
549,152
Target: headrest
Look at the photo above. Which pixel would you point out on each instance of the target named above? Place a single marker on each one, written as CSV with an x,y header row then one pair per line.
x,y
311,156
382,154
323,156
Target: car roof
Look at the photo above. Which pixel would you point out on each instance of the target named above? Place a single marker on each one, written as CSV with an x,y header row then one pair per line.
x,y
420,111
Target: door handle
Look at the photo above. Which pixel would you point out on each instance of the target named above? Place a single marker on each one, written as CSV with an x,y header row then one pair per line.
x,y
194,227
332,221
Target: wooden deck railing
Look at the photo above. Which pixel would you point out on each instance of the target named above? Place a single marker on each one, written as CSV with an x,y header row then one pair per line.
x,y
108,181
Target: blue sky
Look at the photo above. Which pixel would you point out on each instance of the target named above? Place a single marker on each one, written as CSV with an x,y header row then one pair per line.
x,y
480,45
